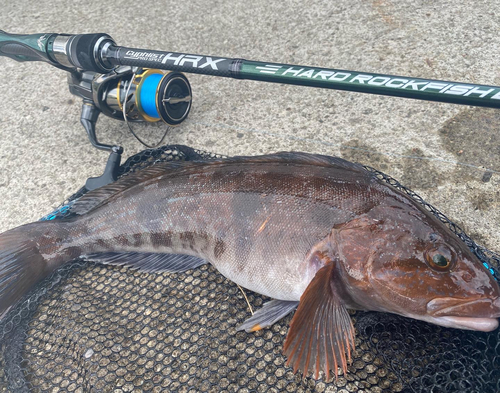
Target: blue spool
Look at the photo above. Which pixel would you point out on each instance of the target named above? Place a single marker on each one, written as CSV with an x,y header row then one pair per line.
x,y
147,95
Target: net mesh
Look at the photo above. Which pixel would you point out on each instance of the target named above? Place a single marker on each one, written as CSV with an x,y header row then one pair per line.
x,y
95,328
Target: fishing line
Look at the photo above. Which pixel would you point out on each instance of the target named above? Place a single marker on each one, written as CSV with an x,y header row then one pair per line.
x,y
124,111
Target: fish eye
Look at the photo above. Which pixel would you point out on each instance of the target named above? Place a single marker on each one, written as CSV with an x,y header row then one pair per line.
x,y
440,257
440,260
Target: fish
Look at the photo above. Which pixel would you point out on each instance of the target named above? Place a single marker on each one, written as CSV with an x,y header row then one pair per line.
x,y
317,234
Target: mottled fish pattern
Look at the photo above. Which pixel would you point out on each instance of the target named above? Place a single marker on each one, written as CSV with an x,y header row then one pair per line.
x,y
308,230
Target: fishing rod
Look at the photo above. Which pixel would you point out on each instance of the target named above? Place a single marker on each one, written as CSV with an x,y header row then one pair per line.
x,y
129,84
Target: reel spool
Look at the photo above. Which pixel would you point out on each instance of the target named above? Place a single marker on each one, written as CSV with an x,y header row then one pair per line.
x,y
144,95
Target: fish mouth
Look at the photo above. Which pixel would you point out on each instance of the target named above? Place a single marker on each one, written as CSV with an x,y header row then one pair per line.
x,y
477,314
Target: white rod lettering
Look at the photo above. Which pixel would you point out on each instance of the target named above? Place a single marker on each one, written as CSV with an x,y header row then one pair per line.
x,y
169,56
445,88
191,59
307,74
339,76
477,90
496,96
324,74
413,84
458,90
292,71
380,82
211,63
433,85
362,78
396,83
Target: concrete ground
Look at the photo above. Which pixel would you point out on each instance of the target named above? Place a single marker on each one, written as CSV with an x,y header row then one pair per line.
x,y
449,154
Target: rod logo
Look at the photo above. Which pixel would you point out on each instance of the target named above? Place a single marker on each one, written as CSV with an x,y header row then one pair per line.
x,y
387,81
176,59
41,41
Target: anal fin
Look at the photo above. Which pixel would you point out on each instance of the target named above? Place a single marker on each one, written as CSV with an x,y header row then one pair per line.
x,y
321,335
270,313
148,262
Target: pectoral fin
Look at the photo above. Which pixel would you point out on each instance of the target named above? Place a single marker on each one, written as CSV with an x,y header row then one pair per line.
x,y
321,332
270,313
148,262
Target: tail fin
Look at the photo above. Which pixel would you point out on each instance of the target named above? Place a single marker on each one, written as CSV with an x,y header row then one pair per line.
x,y
28,254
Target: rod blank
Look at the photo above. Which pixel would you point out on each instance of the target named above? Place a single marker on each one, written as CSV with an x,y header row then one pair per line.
x,y
372,83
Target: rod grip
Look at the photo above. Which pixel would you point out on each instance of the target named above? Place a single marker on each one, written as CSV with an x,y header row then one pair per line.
x,y
26,47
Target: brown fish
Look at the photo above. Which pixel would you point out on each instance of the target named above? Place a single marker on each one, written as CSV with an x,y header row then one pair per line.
x,y
308,230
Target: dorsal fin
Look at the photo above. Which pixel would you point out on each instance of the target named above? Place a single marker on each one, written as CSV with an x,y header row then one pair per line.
x,y
94,198
302,158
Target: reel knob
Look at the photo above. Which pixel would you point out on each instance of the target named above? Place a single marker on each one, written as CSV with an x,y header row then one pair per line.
x,y
174,98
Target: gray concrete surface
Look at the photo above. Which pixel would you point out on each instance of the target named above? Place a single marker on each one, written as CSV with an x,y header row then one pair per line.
x,y
449,154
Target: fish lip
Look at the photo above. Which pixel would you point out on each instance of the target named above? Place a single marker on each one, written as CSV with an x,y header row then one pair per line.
x,y
478,324
464,308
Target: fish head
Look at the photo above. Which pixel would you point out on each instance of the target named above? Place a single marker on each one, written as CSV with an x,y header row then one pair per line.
x,y
409,263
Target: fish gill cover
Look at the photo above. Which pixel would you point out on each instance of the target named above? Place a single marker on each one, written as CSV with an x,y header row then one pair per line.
x,y
96,328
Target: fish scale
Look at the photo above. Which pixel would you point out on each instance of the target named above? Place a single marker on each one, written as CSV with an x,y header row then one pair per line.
x,y
240,200
306,230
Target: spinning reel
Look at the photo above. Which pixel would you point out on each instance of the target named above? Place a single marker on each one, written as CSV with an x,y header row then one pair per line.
x,y
133,95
